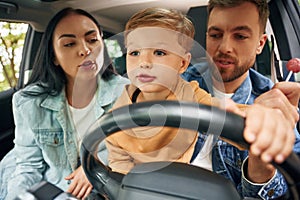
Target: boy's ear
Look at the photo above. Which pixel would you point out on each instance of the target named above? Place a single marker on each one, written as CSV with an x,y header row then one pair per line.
x,y
185,62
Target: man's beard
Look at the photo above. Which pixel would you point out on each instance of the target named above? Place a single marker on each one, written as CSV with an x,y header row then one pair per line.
x,y
220,75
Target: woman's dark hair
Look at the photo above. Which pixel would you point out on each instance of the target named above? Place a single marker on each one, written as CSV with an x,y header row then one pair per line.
x,y
44,72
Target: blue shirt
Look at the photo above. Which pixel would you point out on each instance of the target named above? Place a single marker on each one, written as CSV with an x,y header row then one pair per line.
x,y
227,160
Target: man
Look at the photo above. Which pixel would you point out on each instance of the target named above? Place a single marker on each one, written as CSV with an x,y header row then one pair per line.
x,y
235,35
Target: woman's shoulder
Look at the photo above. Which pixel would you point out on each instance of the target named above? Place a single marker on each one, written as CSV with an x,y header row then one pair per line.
x,y
28,94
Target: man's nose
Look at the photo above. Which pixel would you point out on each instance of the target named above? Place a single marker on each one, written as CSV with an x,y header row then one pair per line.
x,y
225,45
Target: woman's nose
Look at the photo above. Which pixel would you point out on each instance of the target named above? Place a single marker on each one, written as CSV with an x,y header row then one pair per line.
x,y
84,51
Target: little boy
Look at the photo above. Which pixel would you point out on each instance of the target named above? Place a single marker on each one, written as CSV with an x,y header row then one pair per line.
x,y
158,45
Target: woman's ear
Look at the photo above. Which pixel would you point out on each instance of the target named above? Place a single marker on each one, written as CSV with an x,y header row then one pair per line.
x,y
185,62
55,61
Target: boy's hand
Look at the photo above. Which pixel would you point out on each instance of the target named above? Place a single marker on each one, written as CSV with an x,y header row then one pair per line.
x,y
80,186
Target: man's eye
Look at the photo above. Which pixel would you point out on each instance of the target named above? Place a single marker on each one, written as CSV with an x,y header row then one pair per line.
x,y
215,35
240,37
159,53
134,53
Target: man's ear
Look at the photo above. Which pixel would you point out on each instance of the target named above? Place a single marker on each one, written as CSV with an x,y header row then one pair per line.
x,y
185,62
261,43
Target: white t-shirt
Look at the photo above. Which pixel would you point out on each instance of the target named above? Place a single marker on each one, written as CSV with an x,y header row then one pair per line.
x,y
204,157
221,95
83,118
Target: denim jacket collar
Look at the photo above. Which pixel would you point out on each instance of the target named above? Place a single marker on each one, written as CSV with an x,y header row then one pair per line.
x,y
254,85
243,93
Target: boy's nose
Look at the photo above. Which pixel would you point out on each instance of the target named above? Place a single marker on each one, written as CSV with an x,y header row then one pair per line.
x,y
145,65
145,60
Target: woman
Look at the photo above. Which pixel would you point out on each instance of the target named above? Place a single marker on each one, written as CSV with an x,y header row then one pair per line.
x,y
72,84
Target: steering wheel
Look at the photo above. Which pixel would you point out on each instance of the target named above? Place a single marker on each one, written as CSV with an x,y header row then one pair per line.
x,y
173,180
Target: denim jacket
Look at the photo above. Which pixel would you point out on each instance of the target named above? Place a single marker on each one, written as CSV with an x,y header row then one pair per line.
x,y
45,143
228,160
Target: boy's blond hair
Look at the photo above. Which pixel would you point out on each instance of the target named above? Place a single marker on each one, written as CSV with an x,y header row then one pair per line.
x,y
164,18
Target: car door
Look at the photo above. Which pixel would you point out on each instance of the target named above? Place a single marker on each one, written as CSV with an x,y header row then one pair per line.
x,y
7,126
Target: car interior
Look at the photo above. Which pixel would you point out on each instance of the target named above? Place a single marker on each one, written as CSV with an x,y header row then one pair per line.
x,y
283,31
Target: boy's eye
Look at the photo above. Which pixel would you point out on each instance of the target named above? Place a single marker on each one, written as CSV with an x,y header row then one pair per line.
x,y
159,53
134,53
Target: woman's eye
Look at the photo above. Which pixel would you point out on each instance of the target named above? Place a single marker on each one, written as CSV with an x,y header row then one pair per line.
x,y
69,44
93,40
134,53
159,53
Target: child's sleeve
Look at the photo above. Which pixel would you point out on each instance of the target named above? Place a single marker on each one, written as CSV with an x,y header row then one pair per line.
x,y
118,159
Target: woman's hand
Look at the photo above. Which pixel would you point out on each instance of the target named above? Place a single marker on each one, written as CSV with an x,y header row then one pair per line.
x,y
80,186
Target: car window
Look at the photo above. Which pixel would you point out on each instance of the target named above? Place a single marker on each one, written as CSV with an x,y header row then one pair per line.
x,y
113,47
117,53
12,38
